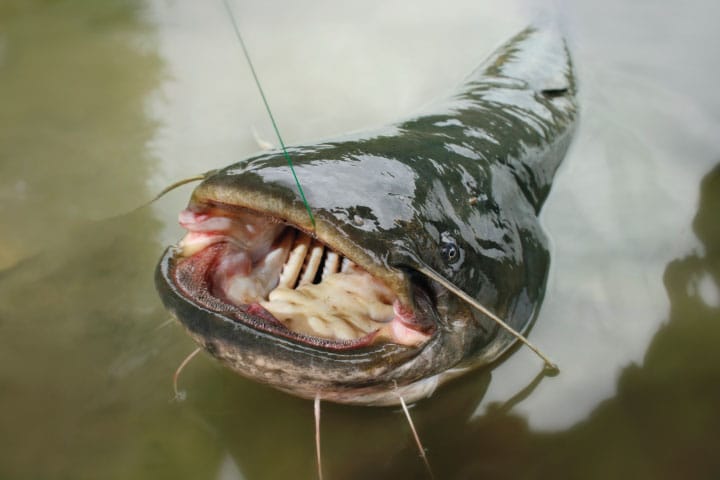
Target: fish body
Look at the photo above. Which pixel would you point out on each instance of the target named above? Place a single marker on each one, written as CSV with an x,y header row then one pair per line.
x,y
456,189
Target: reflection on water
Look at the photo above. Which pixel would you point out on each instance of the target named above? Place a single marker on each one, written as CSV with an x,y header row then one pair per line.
x,y
73,128
102,99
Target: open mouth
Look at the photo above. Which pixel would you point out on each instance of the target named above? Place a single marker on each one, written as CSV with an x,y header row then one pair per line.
x,y
274,277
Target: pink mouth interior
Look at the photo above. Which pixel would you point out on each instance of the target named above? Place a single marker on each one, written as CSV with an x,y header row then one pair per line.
x,y
291,284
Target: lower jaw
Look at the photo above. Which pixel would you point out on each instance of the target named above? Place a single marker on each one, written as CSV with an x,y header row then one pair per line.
x,y
191,277
372,374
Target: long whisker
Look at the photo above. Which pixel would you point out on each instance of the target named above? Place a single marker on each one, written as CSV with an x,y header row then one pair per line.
x,y
317,437
419,444
167,189
433,275
178,394
180,183
164,324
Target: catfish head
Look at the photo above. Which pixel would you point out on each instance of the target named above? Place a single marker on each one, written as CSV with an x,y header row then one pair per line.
x,y
352,305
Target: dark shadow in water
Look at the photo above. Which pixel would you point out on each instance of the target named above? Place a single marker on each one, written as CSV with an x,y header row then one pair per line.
x,y
663,423
525,392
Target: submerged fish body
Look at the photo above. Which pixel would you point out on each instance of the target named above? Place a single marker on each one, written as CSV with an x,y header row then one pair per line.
x,y
456,190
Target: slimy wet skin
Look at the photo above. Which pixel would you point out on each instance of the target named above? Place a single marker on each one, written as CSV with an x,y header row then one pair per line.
x,y
342,308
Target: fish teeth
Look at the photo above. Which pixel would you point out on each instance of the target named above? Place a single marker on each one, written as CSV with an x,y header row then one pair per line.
x,y
332,264
312,263
295,262
347,265
285,244
345,304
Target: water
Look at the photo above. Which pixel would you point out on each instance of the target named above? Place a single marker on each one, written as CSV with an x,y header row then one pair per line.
x,y
103,103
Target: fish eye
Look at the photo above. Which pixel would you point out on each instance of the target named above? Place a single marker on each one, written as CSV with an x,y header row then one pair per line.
x,y
449,251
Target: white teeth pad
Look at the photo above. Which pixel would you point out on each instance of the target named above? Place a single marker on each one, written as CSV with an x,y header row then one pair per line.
x,y
338,305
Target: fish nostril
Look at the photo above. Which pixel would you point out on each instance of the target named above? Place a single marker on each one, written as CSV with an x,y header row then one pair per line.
x,y
555,92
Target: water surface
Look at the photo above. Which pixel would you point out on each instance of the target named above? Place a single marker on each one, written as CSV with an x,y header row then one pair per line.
x,y
103,103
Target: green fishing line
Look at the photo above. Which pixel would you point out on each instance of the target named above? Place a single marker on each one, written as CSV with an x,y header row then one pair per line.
x,y
267,107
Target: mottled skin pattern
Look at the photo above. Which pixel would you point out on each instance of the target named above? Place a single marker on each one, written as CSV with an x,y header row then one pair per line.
x,y
472,172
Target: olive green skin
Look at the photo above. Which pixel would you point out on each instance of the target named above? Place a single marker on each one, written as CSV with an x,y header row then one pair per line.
x,y
475,170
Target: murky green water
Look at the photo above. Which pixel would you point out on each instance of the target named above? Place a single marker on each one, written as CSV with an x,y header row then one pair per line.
x,y
104,102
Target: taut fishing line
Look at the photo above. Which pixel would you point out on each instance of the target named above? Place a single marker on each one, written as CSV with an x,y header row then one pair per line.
x,y
267,107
